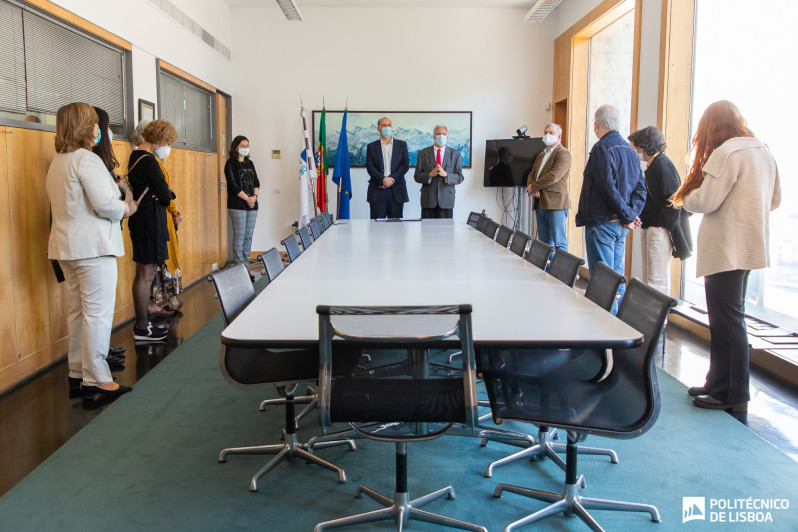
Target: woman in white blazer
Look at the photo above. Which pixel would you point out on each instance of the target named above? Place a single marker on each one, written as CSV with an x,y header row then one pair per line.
x,y
86,238
734,182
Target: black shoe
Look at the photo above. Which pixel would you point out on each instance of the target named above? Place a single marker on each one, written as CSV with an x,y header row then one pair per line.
x,y
252,278
695,391
95,396
74,387
151,333
115,362
116,351
710,403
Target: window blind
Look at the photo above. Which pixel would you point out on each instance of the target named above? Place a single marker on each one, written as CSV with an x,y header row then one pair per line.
x,y
63,66
12,60
189,109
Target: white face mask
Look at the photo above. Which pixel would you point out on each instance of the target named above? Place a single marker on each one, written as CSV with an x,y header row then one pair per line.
x,y
163,152
243,152
549,139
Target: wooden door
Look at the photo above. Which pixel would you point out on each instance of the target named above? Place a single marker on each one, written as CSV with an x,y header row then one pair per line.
x,y
8,324
29,211
222,141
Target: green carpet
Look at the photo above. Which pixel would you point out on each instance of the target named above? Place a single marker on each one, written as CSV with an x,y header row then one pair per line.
x,y
149,463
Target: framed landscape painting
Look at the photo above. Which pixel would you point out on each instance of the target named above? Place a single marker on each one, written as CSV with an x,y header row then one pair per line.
x,y
413,127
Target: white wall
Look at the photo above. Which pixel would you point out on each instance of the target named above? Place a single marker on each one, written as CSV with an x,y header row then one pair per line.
x,y
412,59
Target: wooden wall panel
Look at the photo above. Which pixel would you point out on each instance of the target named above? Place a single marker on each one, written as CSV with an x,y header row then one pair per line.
x,y
8,323
125,267
29,210
221,159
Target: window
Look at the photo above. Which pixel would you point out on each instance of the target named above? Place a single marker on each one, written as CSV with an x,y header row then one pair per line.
x,y
190,109
743,55
45,64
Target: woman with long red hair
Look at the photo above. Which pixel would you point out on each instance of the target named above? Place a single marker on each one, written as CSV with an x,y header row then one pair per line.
x,y
734,182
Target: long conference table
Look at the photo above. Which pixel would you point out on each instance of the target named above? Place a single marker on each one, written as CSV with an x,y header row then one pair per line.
x,y
429,262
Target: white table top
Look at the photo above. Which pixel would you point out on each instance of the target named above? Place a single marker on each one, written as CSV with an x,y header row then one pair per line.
x,y
432,262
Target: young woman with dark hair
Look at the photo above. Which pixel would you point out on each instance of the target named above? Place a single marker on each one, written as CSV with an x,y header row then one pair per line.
x,y
242,198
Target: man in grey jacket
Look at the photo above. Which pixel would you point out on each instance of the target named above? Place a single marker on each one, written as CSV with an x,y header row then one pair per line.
x,y
438,169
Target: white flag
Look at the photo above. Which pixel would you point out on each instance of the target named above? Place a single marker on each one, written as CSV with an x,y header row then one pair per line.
x,y
307,176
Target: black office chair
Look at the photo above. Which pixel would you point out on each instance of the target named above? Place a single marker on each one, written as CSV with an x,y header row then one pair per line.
x,y
246,368
564,267
315,228
519,243
622,404
490,229
396,410
503,235
473,218
272,263
304,237
482,222
539,253
291,247
602,289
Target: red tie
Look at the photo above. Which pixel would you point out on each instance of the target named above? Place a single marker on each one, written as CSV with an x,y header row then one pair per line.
x,y
438,157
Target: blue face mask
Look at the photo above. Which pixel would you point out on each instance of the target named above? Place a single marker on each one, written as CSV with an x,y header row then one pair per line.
x,y
99,136
440,140
386,132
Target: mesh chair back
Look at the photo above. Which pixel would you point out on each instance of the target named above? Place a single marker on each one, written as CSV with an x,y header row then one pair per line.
x,y
481,223
624,403
325,220
490,229
273,263
603,286
291,247
503,235
233,289
347,396
518,245
539,253
315,228
304,237
565,267
473,218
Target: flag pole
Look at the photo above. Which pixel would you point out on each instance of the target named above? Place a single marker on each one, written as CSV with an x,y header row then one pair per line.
x,y
340,181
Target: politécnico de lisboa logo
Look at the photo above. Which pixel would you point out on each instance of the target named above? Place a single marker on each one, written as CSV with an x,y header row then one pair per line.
x,y
693,508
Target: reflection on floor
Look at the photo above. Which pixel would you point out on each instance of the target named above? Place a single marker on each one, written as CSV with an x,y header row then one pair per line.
x,y
37,418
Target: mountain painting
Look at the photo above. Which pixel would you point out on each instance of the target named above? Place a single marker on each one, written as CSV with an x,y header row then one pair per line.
x,y
413,127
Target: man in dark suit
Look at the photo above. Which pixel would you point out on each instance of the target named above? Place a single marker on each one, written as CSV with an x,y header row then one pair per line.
x,y
548,182
387,162
438,169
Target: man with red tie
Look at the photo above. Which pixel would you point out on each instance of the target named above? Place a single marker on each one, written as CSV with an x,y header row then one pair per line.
x,y
438,168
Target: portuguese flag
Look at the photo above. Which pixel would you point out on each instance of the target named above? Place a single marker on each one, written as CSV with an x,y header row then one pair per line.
x,y
321,166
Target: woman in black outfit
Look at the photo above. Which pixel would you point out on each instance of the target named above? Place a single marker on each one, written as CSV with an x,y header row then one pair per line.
x,y
148,230
242,198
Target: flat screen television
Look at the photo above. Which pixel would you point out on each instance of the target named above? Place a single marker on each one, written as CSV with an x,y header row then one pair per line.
x,y
509,161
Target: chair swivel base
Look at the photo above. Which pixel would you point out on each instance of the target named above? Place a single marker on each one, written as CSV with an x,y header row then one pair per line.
x,y
546,448
288,450
401,509
571,503
310,400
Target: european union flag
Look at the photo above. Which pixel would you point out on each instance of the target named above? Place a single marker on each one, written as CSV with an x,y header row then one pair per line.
x,y
341,173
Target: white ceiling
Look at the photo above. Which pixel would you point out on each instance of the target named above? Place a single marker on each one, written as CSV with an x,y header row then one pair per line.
x,y
507,4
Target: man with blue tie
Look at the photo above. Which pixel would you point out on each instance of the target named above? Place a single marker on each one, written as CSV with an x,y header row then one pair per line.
x,y
387,162
438,169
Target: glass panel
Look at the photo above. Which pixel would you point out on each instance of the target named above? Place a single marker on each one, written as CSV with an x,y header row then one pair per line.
x,y
743,53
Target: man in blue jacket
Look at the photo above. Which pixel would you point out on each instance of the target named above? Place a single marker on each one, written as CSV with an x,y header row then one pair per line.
x,y
387,162
613,194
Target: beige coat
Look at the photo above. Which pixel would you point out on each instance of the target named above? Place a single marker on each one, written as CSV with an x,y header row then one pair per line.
x,y
553,179
85,207
740,188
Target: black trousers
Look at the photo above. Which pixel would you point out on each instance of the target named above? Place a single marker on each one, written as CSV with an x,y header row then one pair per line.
x,y
435,212
728,375
386,206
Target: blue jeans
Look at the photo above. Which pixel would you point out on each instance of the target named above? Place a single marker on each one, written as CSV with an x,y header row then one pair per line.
x,y
551,227
243,227
606,243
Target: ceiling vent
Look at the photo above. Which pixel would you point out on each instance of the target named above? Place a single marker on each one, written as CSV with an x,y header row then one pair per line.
x,y
291,10
540,10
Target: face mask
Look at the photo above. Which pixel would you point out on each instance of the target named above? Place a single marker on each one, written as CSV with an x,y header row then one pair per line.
x,y
440,140
640,156
243,152
549,139
110,135
99,136
386,132
163,152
